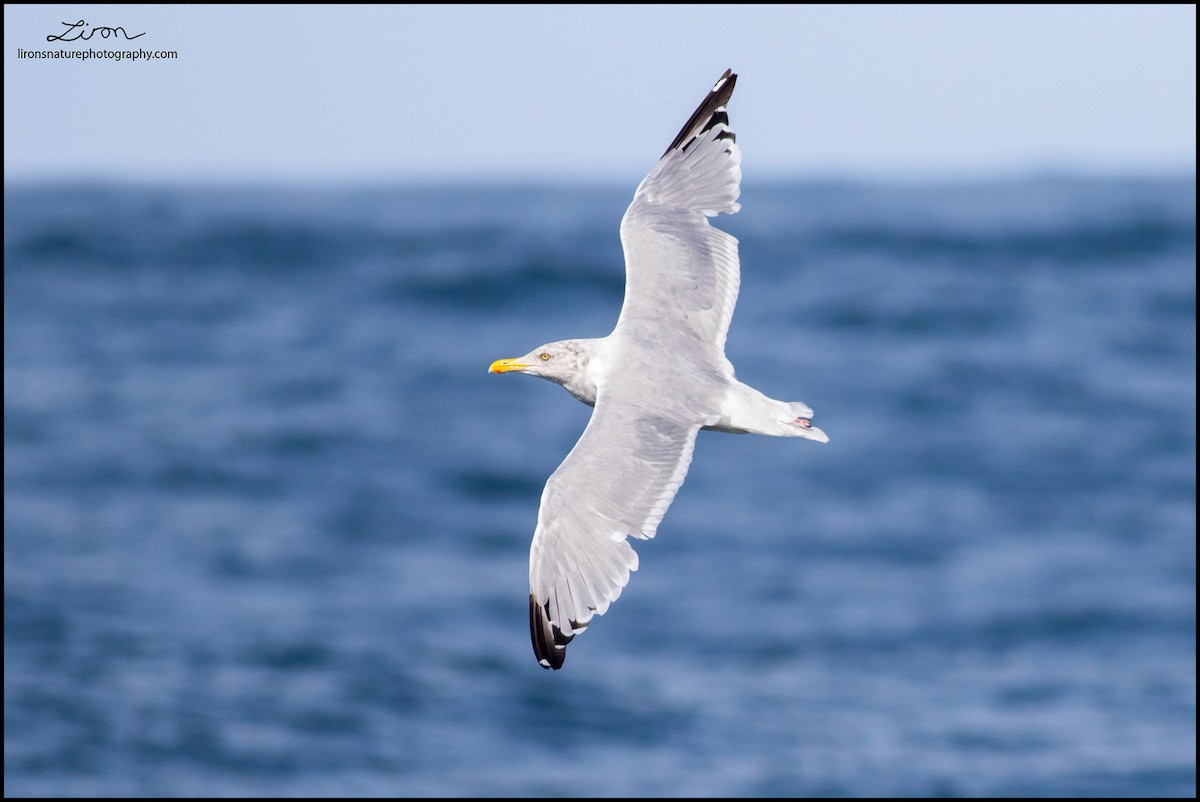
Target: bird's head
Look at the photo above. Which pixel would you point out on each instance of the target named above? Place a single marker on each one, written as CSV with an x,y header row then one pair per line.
x,y
566,362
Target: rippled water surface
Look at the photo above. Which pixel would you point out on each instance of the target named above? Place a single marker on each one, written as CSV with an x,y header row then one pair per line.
x,y
267,517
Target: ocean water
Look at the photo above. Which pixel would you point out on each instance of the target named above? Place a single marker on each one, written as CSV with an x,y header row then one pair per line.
x,y
267,517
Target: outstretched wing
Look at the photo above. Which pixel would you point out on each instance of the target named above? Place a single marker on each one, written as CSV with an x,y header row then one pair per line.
x,y
617,481
666,375
681,274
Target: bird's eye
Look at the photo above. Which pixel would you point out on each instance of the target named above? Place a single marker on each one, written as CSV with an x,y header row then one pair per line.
x,y
544,356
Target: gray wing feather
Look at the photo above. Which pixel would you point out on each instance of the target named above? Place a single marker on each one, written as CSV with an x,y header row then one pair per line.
x,y
618,481
681,274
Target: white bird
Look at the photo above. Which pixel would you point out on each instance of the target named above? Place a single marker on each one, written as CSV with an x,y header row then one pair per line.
x,y
656,380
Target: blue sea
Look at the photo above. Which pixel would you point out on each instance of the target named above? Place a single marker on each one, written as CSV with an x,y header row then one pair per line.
x,y
267,516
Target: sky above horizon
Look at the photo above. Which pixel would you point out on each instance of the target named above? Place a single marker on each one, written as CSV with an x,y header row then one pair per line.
x,y
554,93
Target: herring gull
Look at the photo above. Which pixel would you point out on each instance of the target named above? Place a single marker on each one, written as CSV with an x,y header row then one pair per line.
x,y
654,382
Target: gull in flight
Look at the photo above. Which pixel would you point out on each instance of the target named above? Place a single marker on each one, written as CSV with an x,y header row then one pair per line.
x,y
654,382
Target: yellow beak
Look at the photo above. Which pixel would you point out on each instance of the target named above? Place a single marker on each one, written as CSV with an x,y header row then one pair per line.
x,y
506,365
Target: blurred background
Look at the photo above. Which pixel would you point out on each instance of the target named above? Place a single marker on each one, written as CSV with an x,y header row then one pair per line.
x,y
267,518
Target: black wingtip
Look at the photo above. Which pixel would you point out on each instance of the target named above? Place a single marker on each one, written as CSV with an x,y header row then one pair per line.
x,y
549,643
709,112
